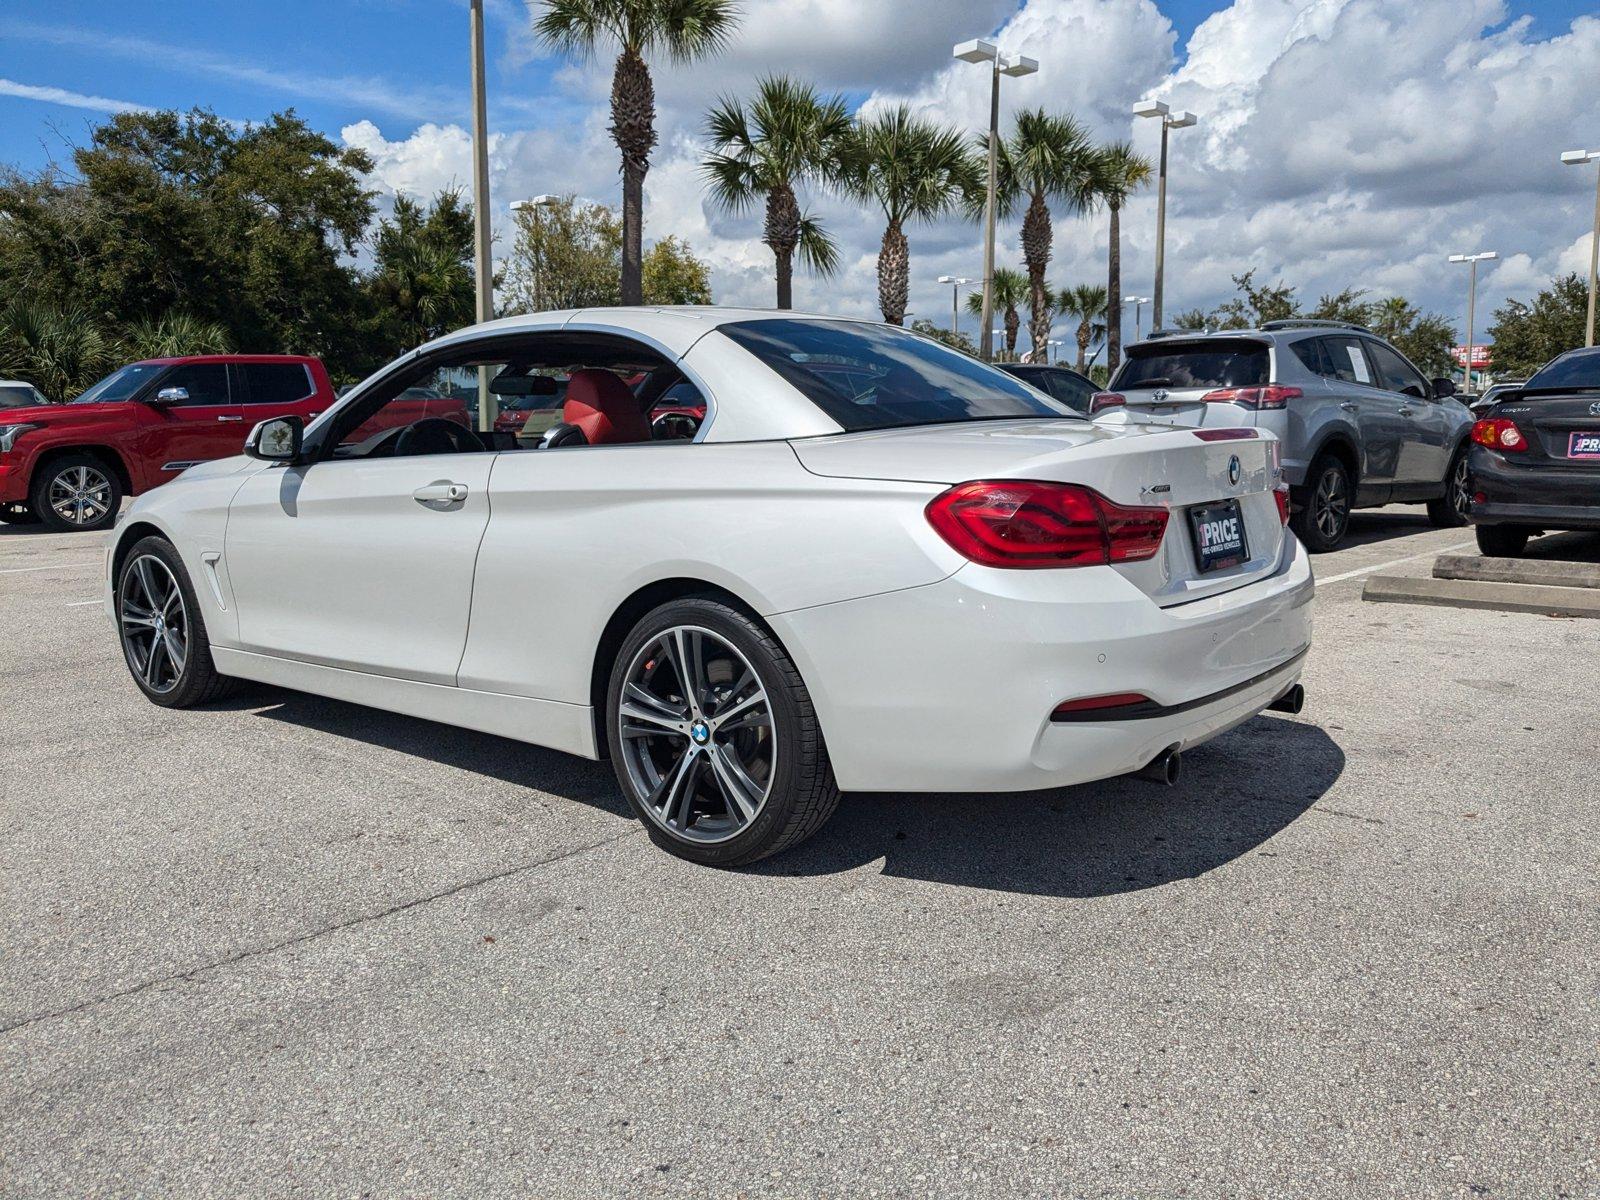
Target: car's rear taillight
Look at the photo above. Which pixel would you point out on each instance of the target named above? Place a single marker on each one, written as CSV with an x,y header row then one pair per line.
x,y
1281,495
1499,433
1272,396
1101,401
1031,523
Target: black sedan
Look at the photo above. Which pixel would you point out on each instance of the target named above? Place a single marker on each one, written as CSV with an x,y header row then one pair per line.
x,y
1063,383
1535,462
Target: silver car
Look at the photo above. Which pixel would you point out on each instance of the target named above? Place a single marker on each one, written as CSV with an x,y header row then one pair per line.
x,y
1360,426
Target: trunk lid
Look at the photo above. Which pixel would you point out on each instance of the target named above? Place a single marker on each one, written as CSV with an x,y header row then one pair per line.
x,y
1563,427
1136,465
1164,382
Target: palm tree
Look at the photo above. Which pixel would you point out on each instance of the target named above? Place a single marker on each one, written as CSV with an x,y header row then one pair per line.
x,y
1086,303
61,351
686,30
917,171
788,137
174,334
1117,173
1047,157
1011,289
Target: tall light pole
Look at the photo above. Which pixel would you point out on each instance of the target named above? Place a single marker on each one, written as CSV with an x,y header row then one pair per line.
x,y
1577,158
955,282
980,51
1169,120
1138,303
1472,301
480,206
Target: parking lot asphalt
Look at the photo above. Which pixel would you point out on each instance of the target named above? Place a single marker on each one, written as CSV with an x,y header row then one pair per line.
x,y
287,946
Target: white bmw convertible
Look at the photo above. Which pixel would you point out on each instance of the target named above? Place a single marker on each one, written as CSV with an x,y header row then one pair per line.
x,y
754,558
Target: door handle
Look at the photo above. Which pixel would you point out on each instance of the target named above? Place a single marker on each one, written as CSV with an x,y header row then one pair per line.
x,y
1349,406
440,493
230,418
1406,412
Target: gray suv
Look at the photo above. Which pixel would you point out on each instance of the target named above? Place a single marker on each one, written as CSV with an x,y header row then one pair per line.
x,y
1360,426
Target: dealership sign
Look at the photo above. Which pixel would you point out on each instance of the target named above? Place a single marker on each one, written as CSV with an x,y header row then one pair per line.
x,y
1481,356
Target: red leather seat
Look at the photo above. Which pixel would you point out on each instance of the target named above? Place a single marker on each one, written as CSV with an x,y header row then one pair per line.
x,y
601,406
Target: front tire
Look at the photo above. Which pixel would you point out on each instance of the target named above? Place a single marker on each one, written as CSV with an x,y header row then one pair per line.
x,y
76,493
163,635
1450,510
1503,541
1323,515
714,738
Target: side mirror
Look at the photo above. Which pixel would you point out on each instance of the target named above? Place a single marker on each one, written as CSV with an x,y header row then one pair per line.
x,y
167,397
1443,387
276,440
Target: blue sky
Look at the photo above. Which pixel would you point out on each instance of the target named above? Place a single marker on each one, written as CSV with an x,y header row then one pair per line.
x,y
1342,142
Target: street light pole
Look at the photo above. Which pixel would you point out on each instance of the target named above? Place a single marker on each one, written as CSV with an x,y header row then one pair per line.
x,y
480,206
1138,303
955,282
1577,158
1472,301
977,51
1169,120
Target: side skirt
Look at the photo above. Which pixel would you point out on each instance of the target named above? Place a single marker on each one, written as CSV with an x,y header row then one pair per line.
x,y
566,727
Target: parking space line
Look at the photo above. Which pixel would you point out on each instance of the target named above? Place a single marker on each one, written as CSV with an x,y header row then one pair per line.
x,y
1393,562
22,570
81,603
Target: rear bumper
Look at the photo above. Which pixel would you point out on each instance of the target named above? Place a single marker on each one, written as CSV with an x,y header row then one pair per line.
x,y
950,687
1543,497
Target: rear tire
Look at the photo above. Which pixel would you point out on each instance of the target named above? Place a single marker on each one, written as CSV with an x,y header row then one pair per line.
x,y
1450,510
159,619
1503,541
76,493
1322,516
716,790
18,514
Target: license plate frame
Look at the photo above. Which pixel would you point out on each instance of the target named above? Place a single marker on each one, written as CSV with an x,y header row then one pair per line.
x,y
1578,437
1214,548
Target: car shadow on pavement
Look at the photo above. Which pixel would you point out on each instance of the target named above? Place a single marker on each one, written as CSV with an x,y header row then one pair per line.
x,y
1119,835
1376,525
1097,839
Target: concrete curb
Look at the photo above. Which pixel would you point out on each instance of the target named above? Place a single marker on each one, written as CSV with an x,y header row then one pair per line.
x,y
1548,572
1473,593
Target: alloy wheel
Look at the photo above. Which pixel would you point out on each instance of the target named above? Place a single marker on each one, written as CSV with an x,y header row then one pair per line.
x,y
155,623
1330,504
1460,488
698,740
80,495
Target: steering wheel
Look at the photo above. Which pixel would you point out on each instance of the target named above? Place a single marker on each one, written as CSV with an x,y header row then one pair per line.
x,y
435,435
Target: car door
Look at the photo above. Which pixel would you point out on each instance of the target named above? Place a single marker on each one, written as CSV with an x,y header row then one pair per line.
x,y
1425,445
363,558
1071,388
1374,410
207,423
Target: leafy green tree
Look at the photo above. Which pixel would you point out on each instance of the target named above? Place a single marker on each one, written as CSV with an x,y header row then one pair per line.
x,y
60,351
788,137
1116,173
673,275
953,338
1047,157
916,170
566,255
1256,303
1086,304
1528,335
685,30
173,334
1426,339
1011,291
1196,319
422,279
1349,305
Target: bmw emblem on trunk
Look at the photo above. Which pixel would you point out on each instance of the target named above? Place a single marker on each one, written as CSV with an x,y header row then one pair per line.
x,y
1234,470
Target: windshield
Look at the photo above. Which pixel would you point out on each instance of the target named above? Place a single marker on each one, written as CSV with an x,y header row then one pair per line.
x,y
877,377
1579,370
119,385
1213,364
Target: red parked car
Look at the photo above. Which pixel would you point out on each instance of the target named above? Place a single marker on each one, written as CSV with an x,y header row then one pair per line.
x,y
70,465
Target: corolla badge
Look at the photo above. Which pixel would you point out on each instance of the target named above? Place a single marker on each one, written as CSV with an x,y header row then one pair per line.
x,y
1234,470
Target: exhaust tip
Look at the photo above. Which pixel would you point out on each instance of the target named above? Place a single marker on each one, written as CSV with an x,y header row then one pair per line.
x,y
1164,768
1292,701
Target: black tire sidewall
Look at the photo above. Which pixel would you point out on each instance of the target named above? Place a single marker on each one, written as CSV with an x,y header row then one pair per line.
x,y
1305,525
38,494
192,682
763,834
1503,541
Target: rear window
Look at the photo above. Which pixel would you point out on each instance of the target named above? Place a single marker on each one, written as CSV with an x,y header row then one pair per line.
x,y
275,383
1569,371
877,377
1213,364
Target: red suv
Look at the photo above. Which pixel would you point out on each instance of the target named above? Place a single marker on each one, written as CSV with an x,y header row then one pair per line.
x,y
70,465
